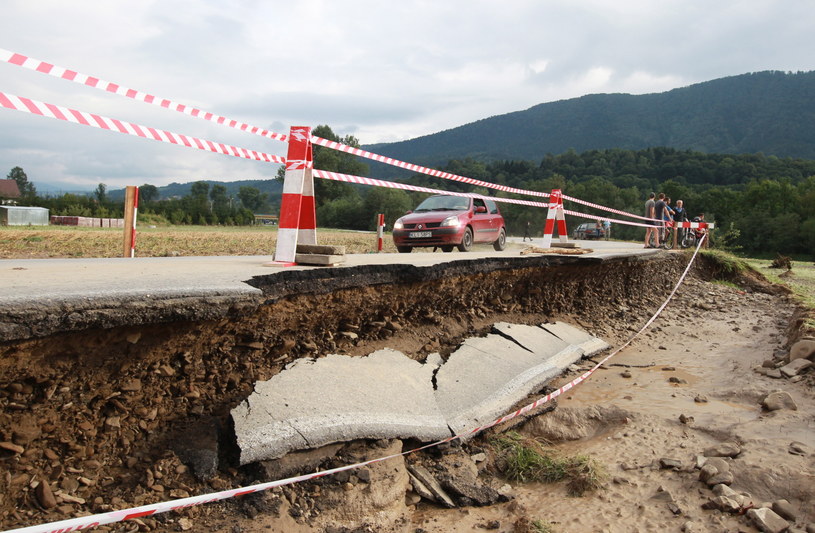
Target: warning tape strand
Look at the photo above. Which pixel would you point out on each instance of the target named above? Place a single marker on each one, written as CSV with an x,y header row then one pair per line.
x,y
43,67
46,68
424,170
348,178
84,522
35,107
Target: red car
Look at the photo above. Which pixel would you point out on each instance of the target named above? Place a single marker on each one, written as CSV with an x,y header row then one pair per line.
x,y
451,221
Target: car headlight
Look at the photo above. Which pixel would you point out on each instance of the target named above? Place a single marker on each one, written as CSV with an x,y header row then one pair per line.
x,y
398,224
450,222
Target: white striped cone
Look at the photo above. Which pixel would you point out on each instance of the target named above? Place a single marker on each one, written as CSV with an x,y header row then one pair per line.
x,y
298,217
555,213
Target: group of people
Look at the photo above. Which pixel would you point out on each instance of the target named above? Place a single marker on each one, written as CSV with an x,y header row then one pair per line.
x,y
659,208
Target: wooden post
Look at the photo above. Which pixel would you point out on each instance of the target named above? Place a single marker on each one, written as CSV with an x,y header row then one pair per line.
x,y
131,207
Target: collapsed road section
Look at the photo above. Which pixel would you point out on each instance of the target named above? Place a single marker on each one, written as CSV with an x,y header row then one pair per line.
x,y
95,394
387,395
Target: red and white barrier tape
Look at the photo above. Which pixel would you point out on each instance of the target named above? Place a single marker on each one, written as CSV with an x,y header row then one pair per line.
x,y
604,208
83,79
84,522
424,170
110,87
35,107
335,176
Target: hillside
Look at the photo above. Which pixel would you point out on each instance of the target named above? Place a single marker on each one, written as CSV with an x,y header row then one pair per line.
x,y
771,112
272,187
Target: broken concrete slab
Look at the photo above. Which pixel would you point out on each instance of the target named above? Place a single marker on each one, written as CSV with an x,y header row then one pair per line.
x,y
486,376
387,395
430,483
588,343
338,398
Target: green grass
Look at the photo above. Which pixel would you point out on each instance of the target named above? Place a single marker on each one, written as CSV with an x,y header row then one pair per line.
x,y
726,284
801,279
541,526
525,459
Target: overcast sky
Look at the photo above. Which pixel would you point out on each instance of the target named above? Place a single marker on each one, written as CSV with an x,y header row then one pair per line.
x,y
381,71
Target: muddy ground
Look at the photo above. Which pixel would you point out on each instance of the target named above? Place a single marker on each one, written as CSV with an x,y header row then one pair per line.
x,y
97,413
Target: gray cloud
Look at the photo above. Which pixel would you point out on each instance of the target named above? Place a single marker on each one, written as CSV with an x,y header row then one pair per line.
x,y
380,71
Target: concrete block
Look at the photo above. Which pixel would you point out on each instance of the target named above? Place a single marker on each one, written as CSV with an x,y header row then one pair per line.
x,y
572,335
486,376
320,249
318,259
338,398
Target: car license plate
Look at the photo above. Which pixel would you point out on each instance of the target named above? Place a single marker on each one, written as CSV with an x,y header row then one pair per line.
x,y
420,234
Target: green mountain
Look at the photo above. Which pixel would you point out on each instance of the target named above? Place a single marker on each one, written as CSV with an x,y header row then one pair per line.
x,y
770,112
177,190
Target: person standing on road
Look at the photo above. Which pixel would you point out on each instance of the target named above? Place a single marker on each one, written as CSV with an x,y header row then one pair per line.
x,y
650,207
680,215
659,213
527,230
607,227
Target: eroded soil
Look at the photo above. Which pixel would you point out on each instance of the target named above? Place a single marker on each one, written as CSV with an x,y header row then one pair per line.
x,y
96,413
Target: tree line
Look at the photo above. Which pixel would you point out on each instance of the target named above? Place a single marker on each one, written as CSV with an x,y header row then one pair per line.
x,y
760,204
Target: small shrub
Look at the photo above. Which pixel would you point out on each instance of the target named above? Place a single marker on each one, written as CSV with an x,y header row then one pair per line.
x,y
525,459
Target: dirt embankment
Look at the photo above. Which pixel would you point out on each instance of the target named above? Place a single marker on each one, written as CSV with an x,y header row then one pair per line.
x,y
96,413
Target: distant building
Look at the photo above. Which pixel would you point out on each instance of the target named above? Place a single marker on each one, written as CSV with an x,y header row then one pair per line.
x,y
9,192
12,215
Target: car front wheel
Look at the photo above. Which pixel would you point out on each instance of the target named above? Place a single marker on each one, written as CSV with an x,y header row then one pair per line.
x,y
501,242
447,249
466,241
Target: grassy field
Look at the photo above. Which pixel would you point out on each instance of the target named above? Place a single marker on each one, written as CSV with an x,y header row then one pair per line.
x,y
39,242
801,279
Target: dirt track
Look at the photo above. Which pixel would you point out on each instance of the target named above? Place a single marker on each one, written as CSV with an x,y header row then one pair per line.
x,y
95,411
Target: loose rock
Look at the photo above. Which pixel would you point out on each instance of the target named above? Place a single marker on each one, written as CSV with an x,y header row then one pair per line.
x,y
725,449
785,510
795,367
777,400
44,495
767,520
803,349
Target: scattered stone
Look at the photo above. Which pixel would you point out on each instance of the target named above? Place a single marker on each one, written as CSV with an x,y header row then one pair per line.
x,y
798,448
707,472
674,508
185,524
10,446
768,363
44,495
720,464
625,374
722,503
196,445
663,495
420,488
767,520
724,449
769,372
668,368
700,399
795,367
811,528
678,381
724,490
430,483
479,457
133,338
725,478
690,527
666,463
686,419
777,400
803,349
298,462
785,510
133,385
619,480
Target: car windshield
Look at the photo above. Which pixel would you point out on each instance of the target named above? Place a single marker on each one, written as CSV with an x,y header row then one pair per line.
x,y
444,203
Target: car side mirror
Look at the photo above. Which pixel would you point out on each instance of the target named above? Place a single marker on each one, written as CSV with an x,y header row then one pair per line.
x,y
409,211
480,209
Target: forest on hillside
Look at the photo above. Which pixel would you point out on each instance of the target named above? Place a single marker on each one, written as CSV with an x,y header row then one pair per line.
x,y
760,204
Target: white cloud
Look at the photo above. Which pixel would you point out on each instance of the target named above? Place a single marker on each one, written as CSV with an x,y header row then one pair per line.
x,y
381,71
